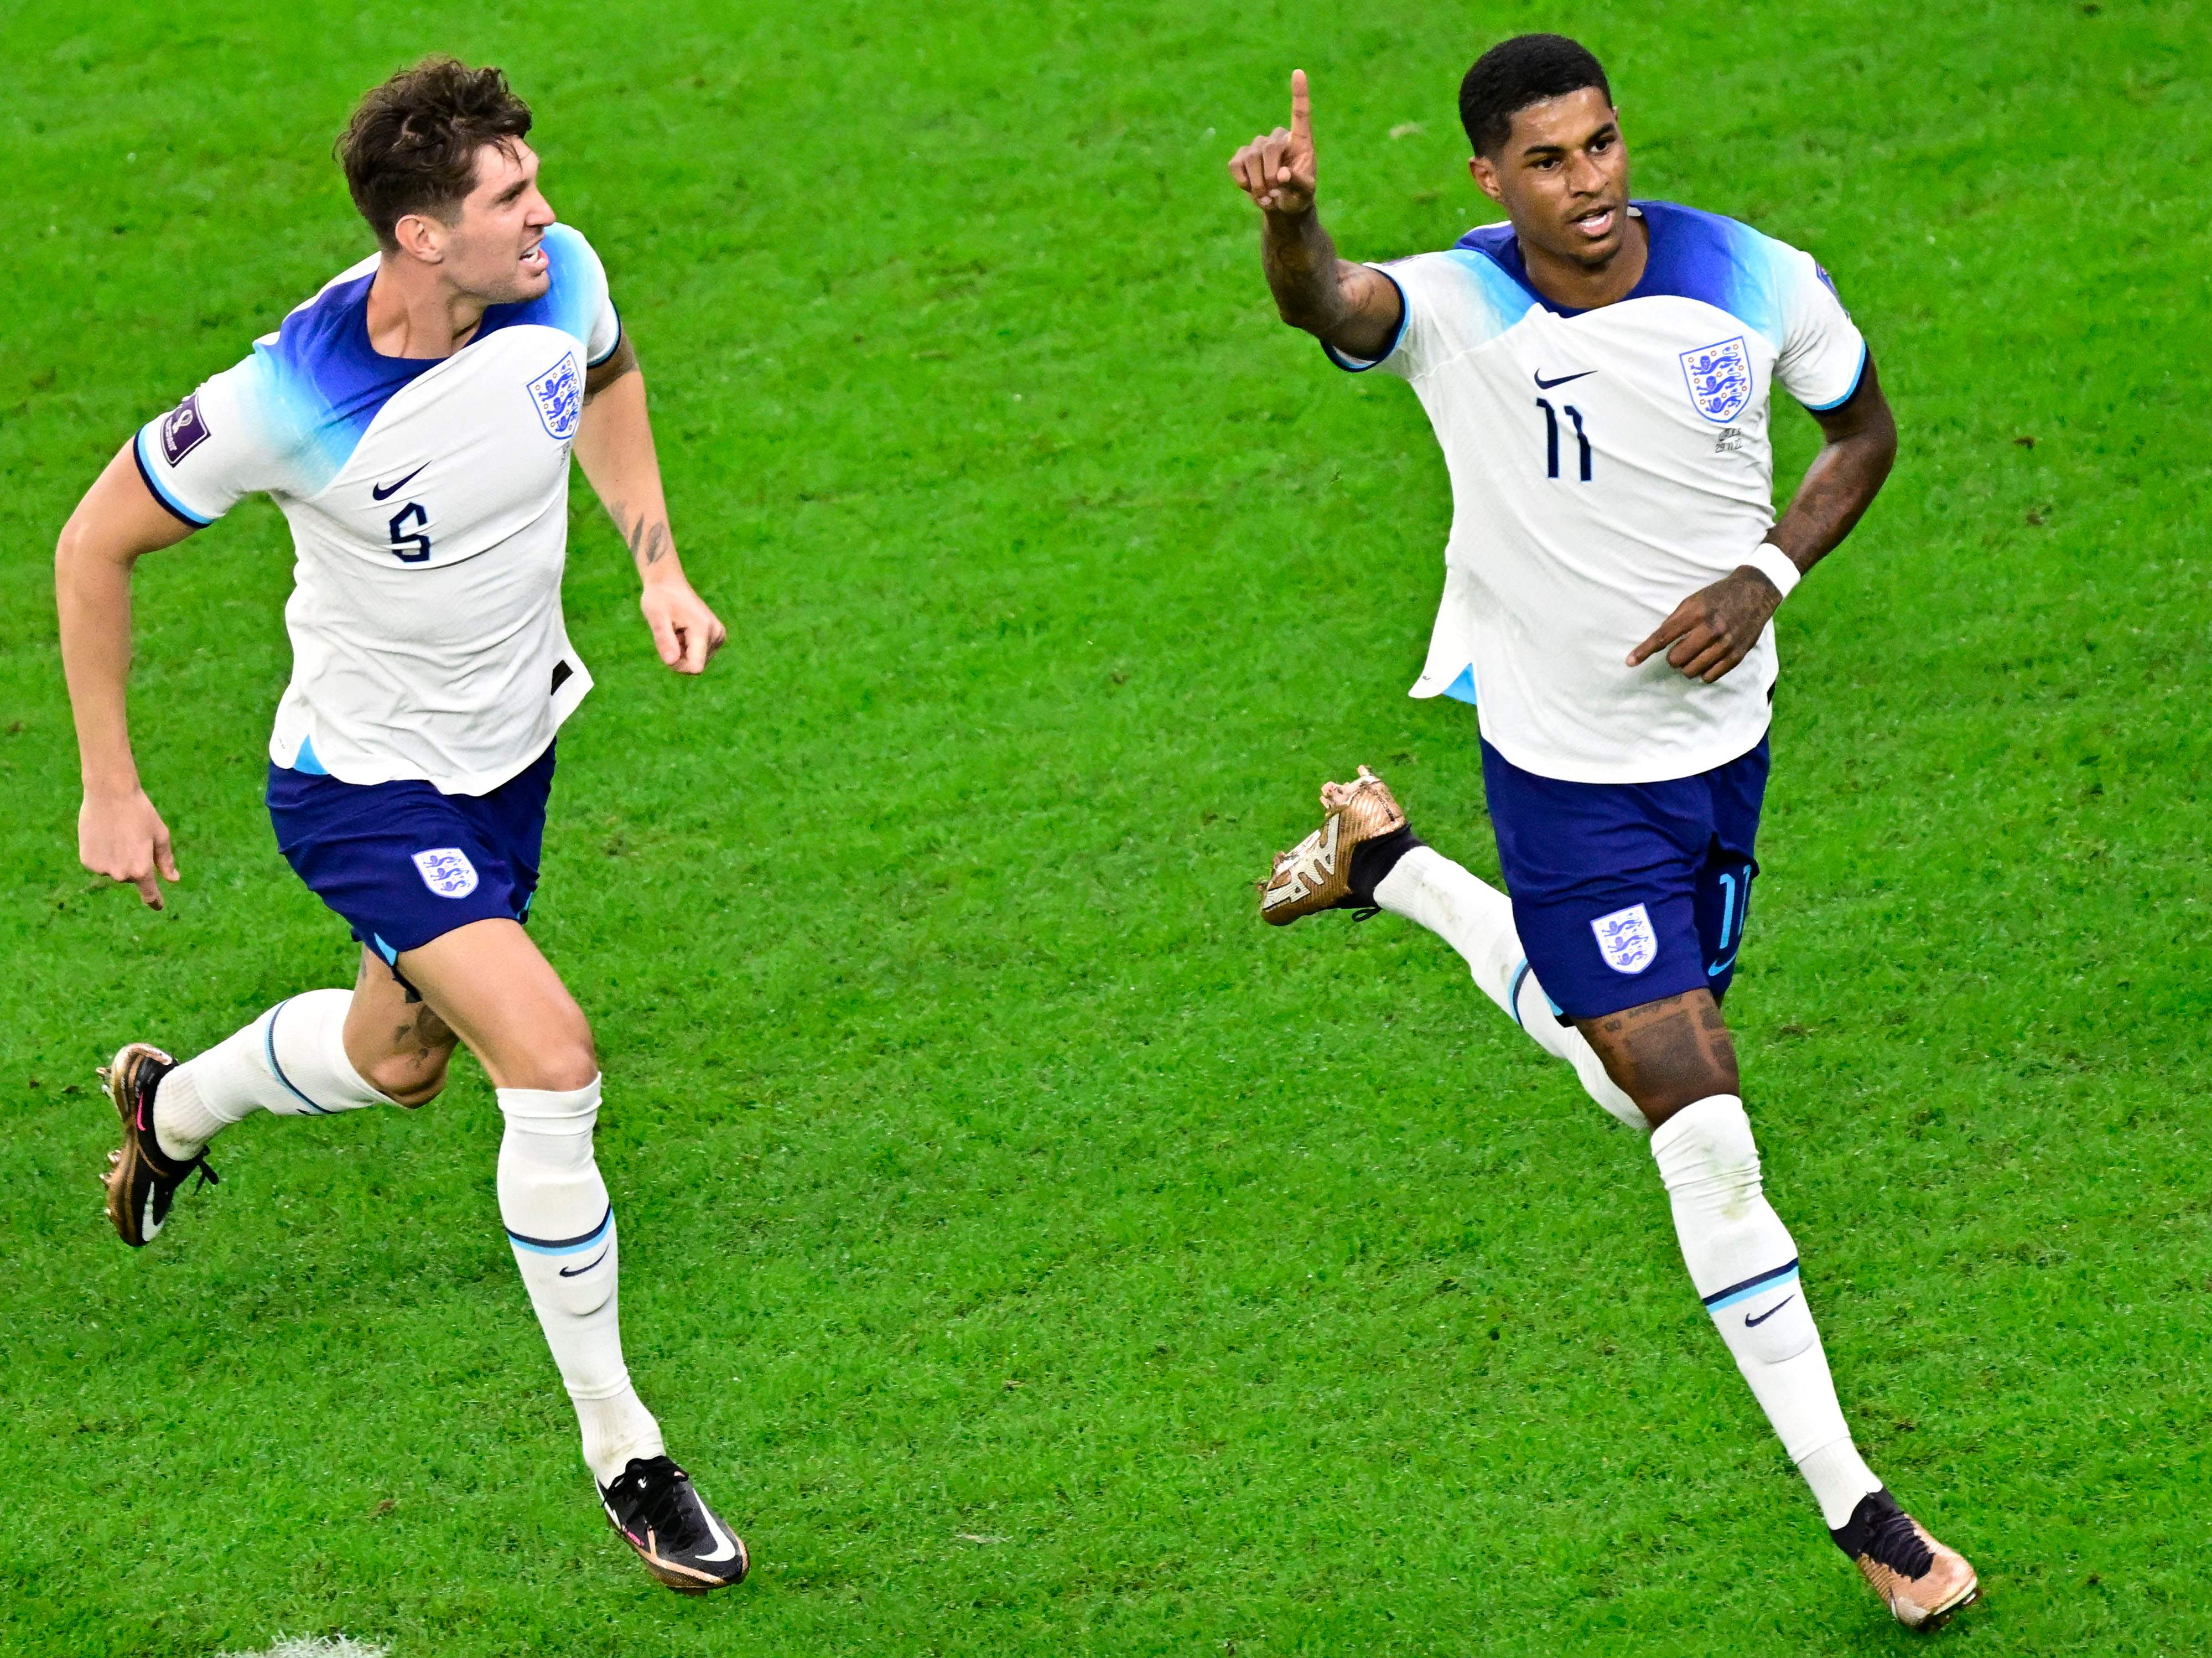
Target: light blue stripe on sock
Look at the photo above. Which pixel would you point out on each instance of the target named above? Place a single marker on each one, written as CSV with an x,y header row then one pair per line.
x,y
1750,1286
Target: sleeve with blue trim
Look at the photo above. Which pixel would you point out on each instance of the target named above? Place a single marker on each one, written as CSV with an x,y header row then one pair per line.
x,y
1823,355
214,448
1397,359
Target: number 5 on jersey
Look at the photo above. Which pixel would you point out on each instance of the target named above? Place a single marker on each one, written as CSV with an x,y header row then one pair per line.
x,y
410,528
1551,438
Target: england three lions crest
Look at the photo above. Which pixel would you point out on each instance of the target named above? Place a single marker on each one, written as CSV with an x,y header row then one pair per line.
x,y
1625,939
559,394
447,871
1720,379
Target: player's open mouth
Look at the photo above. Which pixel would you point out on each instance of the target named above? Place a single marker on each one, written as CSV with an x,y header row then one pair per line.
x,y
1597,224
534,260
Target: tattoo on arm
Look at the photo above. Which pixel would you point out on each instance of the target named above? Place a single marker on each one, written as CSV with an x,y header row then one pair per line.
x,y
648,538
1844,479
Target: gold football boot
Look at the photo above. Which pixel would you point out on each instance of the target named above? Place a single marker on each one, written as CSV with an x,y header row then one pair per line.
x,y
1316,873
1920,1581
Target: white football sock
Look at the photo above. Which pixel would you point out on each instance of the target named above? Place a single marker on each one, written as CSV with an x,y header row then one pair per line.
x,y
1744,1264
563,1227
1476,919
291,1061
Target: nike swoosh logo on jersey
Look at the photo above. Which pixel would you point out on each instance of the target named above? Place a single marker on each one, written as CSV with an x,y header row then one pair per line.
x,y
579,1271
1544,385
385,492
1751,1323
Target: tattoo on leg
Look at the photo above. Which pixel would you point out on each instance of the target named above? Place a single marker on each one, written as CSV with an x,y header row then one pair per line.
x,y
1666,1053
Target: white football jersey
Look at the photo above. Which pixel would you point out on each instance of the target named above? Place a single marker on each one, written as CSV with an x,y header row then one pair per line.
x,y
429,504
1606,465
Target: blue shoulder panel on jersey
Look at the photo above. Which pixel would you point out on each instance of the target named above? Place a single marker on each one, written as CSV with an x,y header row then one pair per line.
x,y
1693,255
571,304
323,382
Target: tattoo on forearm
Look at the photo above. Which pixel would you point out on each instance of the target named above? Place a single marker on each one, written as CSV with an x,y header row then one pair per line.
x,y
647,537
1299,259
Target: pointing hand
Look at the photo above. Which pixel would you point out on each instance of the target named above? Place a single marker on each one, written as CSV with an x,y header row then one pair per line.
x,y
1276,169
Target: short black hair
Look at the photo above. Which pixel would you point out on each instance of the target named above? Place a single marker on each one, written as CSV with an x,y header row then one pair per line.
x,y
411,146
1517,73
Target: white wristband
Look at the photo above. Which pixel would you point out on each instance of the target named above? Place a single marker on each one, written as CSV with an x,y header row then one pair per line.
x,y
1775,566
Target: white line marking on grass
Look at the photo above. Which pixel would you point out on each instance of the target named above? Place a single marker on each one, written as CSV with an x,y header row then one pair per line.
x,y
316,1646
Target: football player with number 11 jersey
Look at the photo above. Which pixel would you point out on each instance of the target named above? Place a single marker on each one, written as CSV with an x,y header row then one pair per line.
x,y
414,422
1598,371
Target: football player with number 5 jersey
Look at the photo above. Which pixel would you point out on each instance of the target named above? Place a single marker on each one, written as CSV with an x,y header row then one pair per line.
x,y
414,422
1599,372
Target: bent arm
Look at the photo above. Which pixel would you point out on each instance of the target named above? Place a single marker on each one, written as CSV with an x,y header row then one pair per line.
x,y
1841,484
118,521
1353,308
614,446
1714,628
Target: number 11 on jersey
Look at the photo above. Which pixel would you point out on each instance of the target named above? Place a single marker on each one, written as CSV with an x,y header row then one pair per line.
x,y
1551,438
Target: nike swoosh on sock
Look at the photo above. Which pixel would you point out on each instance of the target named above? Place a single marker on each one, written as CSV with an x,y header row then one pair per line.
x,y
579,1271
1751,1323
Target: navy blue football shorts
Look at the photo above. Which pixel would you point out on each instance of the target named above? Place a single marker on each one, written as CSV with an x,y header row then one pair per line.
x,y
1628,892
404,864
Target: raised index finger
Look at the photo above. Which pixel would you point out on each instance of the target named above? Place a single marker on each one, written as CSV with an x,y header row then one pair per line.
x,y
1301,108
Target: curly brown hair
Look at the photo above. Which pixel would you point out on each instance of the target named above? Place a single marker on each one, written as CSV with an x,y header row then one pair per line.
x,y
411,146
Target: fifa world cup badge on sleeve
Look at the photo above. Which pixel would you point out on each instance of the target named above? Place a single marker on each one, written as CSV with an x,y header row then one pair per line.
x,y
1625,939
447,871
184,429
559,393
1720,379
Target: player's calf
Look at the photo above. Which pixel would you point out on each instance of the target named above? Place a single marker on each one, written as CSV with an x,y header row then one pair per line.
x,y
290,1062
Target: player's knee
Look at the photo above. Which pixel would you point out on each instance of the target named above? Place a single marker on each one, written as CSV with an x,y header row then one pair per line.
x,y
410,1079
1663,1090
562,1060
1667,1054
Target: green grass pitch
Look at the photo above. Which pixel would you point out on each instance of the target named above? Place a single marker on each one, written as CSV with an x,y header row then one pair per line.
x,y
1031,1252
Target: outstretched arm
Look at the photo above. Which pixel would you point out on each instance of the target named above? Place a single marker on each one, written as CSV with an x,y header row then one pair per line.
x,y
1350,306
118,832
1714,628
614,445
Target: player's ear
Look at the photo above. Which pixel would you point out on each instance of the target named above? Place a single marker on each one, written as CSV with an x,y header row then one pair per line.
x,y
1484,172
420,236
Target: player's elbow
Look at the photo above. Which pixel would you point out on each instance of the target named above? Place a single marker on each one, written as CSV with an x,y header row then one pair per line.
x,y
1298,311
76,551
85,543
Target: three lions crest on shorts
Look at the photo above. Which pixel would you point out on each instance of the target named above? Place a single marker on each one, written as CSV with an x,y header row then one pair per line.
x,y
447,871
1625,940
559,393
